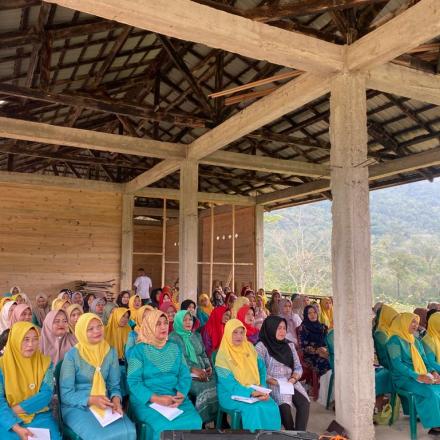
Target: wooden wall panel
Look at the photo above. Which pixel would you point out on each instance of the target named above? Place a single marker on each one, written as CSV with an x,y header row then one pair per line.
x,y
51,237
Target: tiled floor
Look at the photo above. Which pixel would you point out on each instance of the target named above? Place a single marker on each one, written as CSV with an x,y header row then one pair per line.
x,y
320,418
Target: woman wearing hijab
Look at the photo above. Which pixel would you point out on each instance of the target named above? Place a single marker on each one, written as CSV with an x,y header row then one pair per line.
x,y
247,316
431,341
56,339
77,298
261,313
385,317
170,310
422,314
89,380
108,310
22,312
154,297
205,308
88,300
191,306
41,309
73,312
97,307
292,319
4,300
282,363
26,386
239,368
134,303
326,315
410,368
238,304
213,330
157,373
123,299
218,299
60,304
133,335
5,315
312,336
203,388
15,290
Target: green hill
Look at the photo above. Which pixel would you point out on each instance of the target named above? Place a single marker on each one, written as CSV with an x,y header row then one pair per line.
x,y
405,227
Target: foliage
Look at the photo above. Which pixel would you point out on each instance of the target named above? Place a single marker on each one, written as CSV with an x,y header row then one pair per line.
x,y
405,239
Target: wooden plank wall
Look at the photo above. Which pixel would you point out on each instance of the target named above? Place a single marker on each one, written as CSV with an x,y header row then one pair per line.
x,y
51,237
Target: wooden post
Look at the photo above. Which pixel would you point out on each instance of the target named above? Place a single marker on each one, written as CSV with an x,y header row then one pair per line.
x,y
164,239
233,249
127,242
354,380
259,247
188,230
211,251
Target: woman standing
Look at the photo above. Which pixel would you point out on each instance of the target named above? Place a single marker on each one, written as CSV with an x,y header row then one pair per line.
x,y
90,380
157,373
203,387
238,367
282,363
26,386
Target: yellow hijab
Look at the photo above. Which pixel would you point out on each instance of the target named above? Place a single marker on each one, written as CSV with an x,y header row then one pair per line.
x,y
326,315
240,360
386,317
400,328
22,376
131,306
93,354
432,338
140,316
207,309
115,335
238,304
58,303
148,328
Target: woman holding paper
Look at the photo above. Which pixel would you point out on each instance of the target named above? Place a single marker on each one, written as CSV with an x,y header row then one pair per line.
x,y
284,372
203,387
89,385
412,371
239,371
159,380
26,386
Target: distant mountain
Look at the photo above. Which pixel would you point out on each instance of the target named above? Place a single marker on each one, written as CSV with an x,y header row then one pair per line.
x,y
405,227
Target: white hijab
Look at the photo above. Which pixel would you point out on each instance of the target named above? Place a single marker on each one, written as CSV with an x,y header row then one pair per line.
x,y
5,322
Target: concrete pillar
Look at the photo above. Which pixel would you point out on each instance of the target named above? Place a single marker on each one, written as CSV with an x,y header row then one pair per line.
x,y
354,380
259,247
188,231
127,242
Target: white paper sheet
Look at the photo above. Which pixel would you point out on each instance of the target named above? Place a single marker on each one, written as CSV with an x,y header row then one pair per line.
x,y
109,417
245,399
166,411
286,387
194,375
261,389
39,433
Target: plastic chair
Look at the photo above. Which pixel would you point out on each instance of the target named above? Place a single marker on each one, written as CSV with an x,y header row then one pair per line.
x,y
234,415
411,400
141,427
66,432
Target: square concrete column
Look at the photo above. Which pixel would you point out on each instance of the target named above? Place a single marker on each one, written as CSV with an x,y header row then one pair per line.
x,y
188,231
354,380
259,246
127,242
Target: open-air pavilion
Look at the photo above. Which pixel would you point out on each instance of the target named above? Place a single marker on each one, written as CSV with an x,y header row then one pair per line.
x,y
132,121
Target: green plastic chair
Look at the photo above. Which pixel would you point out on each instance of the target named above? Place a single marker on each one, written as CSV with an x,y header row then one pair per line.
x,y
66,432
141,427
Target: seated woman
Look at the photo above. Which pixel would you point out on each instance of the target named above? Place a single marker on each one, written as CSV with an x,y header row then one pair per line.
x,y
326,315
116,334
40,310
204,309
26,386
170,310
282,362
238,304
134,303
191,306
312,341
88,301
292,319
261,313
212,332
60,303
410,368
423,325
56,339
384,318
73,312
97,307
123,299
431,341
203,388
238,367
157,373
5,322
274,303
246,315
22,312
90,380
230,299
218,297
133,335
77,298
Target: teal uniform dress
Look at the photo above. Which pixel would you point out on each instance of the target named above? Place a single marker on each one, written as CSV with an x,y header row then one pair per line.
x,y
260,415
380,346
427,397
31,405
160,371
75,385
430,354
131,342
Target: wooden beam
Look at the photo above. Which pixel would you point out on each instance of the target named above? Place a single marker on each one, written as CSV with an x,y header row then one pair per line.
x,y
155,212
93,140
18,4
190,21
402,81
266,164
415,26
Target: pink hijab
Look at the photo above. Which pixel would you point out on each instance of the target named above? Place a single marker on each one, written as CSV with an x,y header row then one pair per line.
x,y
51,345
16,313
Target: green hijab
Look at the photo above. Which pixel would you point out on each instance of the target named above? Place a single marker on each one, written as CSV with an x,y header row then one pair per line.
x,y
184,334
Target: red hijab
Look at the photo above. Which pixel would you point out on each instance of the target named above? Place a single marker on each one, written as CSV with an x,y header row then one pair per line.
x,y
241,314
214,327
163,308
162,295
